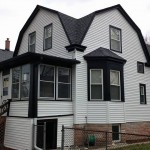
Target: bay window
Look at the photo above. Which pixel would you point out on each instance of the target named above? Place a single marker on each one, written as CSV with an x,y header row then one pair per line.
x,y
115,85
96,84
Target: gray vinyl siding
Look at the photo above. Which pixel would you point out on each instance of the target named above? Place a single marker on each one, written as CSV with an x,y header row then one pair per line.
x,y
19,108
59,38
18,133
98,36
54,108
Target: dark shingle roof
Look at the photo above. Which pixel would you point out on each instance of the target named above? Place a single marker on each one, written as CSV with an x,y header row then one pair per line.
x,y
4,54
103,53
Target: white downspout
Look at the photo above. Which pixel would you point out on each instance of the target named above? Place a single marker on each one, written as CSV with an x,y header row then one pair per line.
x,y
34,135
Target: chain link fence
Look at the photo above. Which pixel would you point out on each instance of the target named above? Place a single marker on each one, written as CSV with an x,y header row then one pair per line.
x,y
79,139
2,129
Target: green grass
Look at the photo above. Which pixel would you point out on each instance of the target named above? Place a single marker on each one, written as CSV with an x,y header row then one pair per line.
x,y
134,147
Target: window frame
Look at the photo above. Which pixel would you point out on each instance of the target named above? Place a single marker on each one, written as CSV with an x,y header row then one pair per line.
x,y
48,98
110,27
96,84
144,86
140,63
29,42
119,126
57,98
51,26
115,85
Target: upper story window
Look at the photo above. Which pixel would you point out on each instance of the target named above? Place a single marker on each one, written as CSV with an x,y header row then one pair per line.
x,y
140,67
142,94
21,82
63,83
115,39
32,39
48,37
47,81
115,85
96,84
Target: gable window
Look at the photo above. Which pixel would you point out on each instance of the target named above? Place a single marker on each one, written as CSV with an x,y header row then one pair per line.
x,y
48,37
32,39
140,67
115,85
63,83
96,84
47,80
115,39
142,94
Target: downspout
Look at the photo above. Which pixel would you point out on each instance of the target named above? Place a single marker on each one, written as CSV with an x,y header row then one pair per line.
x,y
34,135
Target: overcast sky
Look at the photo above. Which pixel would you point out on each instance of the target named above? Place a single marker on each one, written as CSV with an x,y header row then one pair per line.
x,y
14,13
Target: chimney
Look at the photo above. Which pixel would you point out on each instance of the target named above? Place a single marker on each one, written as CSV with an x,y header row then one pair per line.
x,y
7,44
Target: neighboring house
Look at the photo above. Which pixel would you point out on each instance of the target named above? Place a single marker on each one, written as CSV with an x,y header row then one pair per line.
x,y
67,71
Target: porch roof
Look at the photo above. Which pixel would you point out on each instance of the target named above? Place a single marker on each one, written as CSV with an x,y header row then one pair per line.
x,y
31,57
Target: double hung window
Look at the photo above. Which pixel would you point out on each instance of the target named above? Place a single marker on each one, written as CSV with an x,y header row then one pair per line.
x,y
32,39
96,84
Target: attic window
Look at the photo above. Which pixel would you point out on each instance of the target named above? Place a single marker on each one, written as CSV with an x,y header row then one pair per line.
x,y
140,67
32,38
48,37
115,39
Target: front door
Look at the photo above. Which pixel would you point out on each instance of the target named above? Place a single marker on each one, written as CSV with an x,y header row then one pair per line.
x,y
5,88
51,133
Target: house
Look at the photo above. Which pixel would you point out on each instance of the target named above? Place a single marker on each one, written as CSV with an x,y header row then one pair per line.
x,y
66,71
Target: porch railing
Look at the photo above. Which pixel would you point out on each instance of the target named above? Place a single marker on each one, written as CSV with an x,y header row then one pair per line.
x,y
4,107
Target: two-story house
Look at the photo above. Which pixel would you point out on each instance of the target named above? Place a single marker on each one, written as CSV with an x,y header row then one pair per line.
x,y
66,71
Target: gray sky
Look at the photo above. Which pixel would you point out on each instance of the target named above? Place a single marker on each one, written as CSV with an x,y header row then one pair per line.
x,y
14,13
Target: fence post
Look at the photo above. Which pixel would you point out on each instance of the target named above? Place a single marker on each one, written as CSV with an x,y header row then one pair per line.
x,y
106,140
44,137
62,140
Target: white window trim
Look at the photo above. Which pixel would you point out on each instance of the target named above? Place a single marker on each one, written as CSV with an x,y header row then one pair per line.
x,y
5,76
63,83
47,98
119,85
119,132
116,39
96,84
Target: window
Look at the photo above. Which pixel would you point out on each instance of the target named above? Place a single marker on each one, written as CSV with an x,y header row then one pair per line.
x,y
115,85
16,82
115,39
25,80
5,85
140,67
142,94
96,84
21,82
47,78
48,37
63,83
32,39
115,132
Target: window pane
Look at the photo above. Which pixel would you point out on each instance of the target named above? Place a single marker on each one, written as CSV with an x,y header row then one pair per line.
x,y
32,48
5,91
46,73
46,89
114,78
63,90
48,31
115,45
96,76
15,90
48,43
25,73
140,68
96,91
25,89
15,74
64,75
115,34
115,92
142,98
142,90
32,38
115,131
